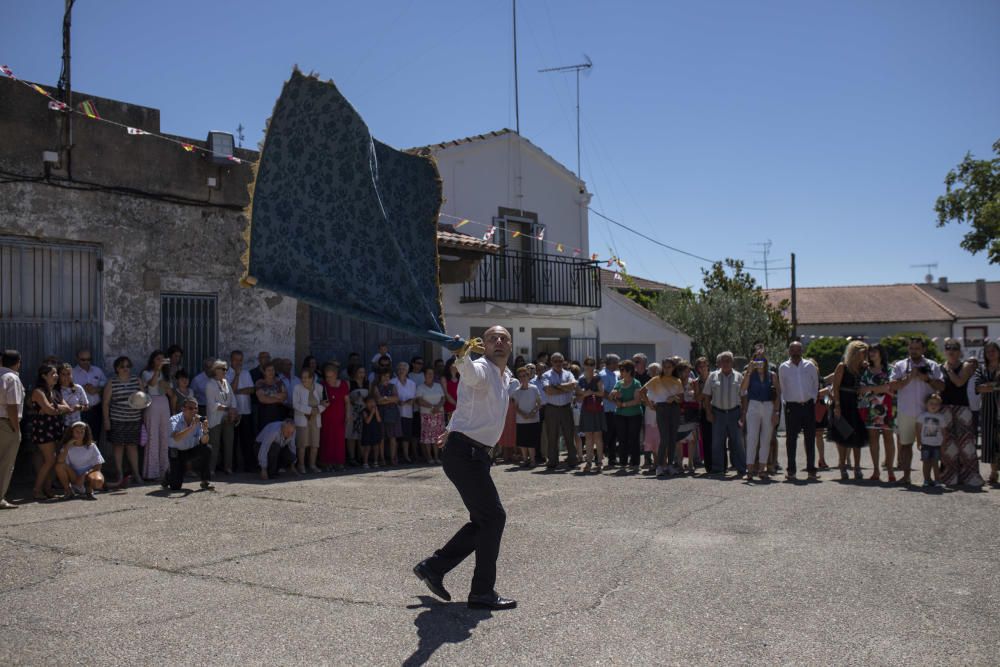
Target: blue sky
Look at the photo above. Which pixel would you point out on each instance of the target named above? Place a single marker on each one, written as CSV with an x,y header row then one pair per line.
x,y
825,127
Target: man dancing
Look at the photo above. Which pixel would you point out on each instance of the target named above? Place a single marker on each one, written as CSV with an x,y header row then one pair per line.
x,y
474,429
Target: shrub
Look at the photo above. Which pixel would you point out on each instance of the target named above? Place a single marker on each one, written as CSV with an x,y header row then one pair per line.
x,y
896,347
828,351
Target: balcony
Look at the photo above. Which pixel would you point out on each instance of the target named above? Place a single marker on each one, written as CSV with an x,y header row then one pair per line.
x,y
535,279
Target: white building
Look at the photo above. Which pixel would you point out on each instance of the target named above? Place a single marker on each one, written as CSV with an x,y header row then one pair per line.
x,y
552,298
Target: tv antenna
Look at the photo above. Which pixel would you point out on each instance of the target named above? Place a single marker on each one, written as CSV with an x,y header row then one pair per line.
x,y
574,68
239,134
928,278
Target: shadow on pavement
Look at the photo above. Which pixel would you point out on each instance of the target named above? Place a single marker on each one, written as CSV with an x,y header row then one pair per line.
x,y
442,623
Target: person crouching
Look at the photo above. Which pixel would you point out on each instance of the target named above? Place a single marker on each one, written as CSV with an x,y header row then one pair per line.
x,y
79,464
277,448
189,442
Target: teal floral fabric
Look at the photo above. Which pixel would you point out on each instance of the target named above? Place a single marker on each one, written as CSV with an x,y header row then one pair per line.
x,y
342,221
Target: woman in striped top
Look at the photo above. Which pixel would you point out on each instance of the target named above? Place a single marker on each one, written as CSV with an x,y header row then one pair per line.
x,y
121,420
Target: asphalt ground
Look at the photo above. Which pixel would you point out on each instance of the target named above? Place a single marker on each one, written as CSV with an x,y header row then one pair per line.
x,y
607,569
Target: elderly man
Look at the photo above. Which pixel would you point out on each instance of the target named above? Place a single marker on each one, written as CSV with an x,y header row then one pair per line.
x,y
799,382
92,379
721,396
11,409
189,441
200,382
475,427
609,377
277,448
559,389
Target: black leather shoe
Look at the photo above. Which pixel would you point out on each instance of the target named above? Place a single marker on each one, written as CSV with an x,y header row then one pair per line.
x,y
490,601
434,582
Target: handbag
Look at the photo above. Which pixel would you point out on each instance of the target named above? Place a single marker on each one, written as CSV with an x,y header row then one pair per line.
x,y
842,427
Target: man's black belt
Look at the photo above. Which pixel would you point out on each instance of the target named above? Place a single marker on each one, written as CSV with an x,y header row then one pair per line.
x,y
469,441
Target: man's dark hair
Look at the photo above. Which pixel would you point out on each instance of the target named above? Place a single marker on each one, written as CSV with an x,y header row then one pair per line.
x,y
174,348
917,339
10,358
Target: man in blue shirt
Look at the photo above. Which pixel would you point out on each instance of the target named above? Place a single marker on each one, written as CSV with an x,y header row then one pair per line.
x,y
609,378
189,442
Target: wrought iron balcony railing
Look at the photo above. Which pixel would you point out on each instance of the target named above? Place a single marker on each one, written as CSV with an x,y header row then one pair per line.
x,y
537,279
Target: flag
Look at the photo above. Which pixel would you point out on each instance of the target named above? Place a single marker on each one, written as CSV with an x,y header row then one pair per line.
x,y
489,235
618,276
233,158
576,252
541,234
89,109
593,258
516,234
135,130
56,105
6,71
187,147
559,247
40,89
461,222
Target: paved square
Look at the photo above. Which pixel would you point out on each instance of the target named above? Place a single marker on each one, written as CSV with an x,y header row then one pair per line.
x,y
607,570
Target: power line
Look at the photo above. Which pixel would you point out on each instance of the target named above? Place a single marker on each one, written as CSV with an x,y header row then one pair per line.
x,y
650,238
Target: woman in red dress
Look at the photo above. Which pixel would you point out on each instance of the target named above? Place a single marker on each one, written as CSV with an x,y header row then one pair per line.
x,y
331,443
450,384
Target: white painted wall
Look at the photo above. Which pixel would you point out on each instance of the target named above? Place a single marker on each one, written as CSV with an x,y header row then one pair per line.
x,y
483,175
992,333
621,320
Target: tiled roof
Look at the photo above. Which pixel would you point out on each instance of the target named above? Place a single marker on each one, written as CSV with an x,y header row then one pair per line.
x,y
447,237
644,284
863,304
432,148
960,298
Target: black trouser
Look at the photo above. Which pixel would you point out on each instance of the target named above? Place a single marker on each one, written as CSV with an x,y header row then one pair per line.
x,y
629,427
801,418
245,441
668,420
611,437
95,420
467,465
178,462
706,439
278,457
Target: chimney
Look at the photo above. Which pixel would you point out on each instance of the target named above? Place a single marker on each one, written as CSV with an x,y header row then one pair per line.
x,y
943,283
981,293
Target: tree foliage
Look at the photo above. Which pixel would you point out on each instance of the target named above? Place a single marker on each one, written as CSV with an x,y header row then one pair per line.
x,y
896,347
827,351
973,196
730,312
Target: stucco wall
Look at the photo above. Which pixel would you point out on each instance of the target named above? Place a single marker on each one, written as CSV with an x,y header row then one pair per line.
x,y
874,331
622,321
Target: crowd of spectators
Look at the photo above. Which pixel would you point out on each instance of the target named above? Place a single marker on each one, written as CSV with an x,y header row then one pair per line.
x,y
667,418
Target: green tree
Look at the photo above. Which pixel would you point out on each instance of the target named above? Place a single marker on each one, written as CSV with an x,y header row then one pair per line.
x,y
896,347
973,196
828,351
729,312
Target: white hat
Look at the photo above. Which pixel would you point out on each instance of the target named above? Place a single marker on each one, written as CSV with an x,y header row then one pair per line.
x,y
140,400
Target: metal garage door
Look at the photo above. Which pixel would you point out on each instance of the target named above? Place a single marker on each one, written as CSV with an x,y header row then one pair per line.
x,y
50,301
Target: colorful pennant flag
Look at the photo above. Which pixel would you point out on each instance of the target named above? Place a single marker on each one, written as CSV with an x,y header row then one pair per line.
x,y
541,234
618,276
89,109
40,89
464,221
56,105
593,258
7,72
489,234
187,147
135,130
233,158
576,252
559,247
515,235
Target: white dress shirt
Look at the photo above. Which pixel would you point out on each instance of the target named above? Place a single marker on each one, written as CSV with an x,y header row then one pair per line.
x,y
910,399
242,400
95,376
481,408
799,382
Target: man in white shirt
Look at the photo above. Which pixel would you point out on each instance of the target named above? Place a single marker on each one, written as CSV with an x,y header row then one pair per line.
x,y
406,391
799,382
277,448
559,389
914,379
11,409
92,379
243,386
475,427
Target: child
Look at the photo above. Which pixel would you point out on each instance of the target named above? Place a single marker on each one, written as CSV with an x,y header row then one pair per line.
x,y
528,403
931,426
182,390
79,464
371,433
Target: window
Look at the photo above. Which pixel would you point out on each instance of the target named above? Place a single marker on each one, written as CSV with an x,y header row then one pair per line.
x,y
974,336
191,321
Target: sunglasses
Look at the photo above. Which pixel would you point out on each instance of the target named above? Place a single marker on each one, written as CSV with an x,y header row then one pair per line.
x,y
953,348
